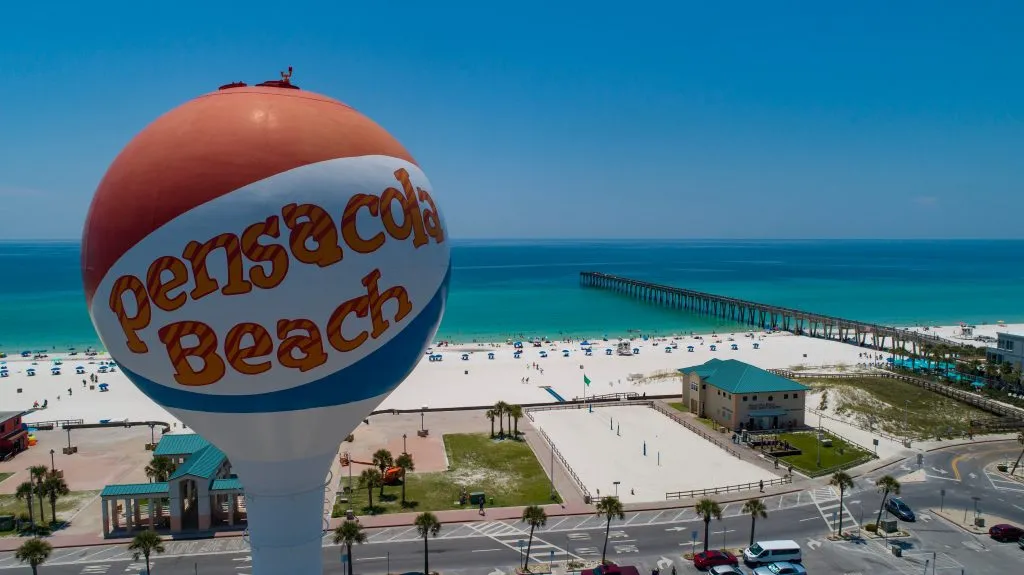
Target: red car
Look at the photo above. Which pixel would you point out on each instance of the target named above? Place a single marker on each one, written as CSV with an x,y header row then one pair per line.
x,y
711,558
1005,532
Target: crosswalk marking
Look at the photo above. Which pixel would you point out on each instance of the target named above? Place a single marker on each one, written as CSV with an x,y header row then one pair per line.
x,y
95,569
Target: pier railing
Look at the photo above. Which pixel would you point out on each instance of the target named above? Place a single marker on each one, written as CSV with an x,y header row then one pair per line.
x,y
764,315
55,423
727,489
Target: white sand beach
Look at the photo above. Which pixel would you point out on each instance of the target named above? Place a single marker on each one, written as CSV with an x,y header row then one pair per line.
x,y
454,382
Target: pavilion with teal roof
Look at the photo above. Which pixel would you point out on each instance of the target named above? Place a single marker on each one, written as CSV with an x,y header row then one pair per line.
x,y
201,493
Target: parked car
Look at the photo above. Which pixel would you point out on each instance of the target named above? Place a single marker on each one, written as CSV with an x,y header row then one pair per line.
x,y
610,568
711,558
726,570
781,568
897,507
1005,532
1020,543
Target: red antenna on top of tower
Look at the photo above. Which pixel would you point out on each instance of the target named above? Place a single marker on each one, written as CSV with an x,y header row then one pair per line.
x,y
284,82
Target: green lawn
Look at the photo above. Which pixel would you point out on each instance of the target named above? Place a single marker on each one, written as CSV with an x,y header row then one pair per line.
x,y
11,505
507,471
883,403
4,475
679,406
807,461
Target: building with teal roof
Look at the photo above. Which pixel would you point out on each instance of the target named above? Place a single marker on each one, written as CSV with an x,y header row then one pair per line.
x,y
740,396
200,494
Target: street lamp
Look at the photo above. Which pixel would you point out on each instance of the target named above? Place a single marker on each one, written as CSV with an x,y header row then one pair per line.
x,y
53,466
819,439
422,413
403,444
906,427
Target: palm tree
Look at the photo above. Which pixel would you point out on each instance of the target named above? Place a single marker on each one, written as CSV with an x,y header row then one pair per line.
x,y
369,479
611,508
406,463
347,533
35,552
383,459
160,469
516,413
38,473
499,410
886,484
145,544
708,508
843,481
427,525
55,488
27,491
536,517
755,507
492,415
1020,440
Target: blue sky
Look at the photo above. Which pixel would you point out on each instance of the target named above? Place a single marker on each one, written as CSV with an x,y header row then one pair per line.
x,y
567,119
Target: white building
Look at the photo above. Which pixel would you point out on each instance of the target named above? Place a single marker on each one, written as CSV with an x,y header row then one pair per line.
x,y
1009,348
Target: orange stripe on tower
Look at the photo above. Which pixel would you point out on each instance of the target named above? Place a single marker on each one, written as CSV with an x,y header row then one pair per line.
x,y
209,147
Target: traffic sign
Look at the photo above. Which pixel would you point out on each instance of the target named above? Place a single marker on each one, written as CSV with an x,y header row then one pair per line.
x,y
693,535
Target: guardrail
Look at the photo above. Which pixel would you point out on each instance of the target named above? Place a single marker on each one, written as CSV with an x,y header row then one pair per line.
x,y
56,423
727,489
568,468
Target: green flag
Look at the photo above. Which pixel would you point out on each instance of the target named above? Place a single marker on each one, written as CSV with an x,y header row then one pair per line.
x,y
586,379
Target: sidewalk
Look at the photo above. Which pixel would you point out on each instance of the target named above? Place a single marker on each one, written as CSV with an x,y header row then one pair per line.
x,y
956,518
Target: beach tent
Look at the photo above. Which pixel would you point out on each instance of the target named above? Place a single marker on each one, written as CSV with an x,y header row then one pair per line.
x,y
102,369
518,345
517,355
26,353
543,354
689,348
636,351
490,355
757,346
588,352
585,342
465,357
734,347
668,349
607,351
30,372
565,353
79,369
104,387
713,348
3,373
55,371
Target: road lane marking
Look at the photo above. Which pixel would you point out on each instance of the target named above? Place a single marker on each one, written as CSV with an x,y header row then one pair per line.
x,y
956,479
483,550
810,519
954,463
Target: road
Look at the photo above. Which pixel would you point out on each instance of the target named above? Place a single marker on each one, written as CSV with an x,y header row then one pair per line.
x,y
650,539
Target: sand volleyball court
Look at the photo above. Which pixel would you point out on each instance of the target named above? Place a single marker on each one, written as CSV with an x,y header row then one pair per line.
x,y
607,445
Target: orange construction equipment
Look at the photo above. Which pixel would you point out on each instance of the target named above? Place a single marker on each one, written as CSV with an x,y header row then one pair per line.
x,y
392,475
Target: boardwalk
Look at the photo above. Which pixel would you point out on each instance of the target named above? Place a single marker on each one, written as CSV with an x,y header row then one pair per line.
x,y
765,316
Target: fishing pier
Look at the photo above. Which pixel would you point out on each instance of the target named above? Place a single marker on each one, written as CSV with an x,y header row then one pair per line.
x,y
764,316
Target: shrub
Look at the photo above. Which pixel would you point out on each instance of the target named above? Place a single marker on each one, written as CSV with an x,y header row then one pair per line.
x,y
871,527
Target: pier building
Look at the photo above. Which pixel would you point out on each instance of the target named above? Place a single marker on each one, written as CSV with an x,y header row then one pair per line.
x,y
739,396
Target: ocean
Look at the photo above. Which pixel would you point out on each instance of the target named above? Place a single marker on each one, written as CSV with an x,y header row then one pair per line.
x,y
503,289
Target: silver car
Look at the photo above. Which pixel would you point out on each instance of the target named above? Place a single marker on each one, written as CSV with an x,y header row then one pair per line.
x,y
726,570
781,568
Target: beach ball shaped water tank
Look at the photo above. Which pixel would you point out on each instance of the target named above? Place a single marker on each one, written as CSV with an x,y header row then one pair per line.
x,y
268,264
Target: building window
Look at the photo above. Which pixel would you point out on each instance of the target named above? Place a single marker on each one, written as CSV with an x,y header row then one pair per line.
x,y
785,396
753,398
693,386
769,398
744,398
794,396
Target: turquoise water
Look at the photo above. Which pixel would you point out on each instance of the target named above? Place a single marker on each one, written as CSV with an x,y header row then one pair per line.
x,y
521,288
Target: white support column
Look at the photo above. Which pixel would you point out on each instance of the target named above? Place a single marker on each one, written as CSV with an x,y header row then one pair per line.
x,y
152,525
105,508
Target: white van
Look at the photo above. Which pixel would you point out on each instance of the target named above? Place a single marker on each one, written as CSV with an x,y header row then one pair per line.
x,y
764,552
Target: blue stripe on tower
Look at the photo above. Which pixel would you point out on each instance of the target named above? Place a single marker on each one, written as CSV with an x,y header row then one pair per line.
x,y
372,376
